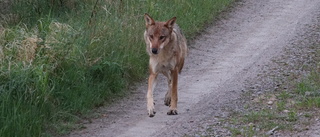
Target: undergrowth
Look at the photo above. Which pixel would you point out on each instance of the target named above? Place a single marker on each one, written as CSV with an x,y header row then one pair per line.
x,y
61,58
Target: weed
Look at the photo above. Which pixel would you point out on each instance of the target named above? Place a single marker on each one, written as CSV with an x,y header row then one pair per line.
x,y
248,131
281,105
283,95
235,131
292,116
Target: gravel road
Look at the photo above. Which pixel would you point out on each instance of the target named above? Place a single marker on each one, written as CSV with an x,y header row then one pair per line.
x,y
231,51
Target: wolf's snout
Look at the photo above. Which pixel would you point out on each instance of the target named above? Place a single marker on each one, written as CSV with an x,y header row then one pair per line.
x,y
154,50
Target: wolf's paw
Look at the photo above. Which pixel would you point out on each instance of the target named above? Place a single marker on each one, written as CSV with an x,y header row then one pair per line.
x,y
172,112
167,101
151,112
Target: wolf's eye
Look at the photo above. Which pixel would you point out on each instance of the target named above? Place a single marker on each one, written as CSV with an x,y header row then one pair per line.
x,y
162,37
151,36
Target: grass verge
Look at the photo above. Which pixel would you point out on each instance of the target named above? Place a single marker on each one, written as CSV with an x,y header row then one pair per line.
x,y
59,58
291,110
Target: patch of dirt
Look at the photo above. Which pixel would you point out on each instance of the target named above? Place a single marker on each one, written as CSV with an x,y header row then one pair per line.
x,y
221,64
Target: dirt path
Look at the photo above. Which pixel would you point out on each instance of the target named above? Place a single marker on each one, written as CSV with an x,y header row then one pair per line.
x,y
220,61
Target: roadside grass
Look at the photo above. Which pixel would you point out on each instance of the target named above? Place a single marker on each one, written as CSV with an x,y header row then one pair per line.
x,y
60,59
296,106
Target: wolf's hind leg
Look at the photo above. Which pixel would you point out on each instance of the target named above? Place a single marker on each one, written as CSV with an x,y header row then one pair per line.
x,y
174,93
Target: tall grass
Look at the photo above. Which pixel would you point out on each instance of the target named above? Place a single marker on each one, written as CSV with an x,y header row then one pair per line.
x,y
61,58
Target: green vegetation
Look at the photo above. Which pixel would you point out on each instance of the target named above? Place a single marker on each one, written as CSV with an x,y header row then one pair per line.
x,y
61,58
309,92
295,107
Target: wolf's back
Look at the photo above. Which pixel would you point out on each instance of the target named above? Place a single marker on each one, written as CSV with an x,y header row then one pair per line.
x,y
182,43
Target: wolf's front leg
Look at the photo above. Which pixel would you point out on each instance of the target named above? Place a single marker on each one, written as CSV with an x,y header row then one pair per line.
x,y
150,102
174,93
167,98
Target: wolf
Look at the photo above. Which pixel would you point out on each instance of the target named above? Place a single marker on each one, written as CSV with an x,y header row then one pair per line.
x,y
167,48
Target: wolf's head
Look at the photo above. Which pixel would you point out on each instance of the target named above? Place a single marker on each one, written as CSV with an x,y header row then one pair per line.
x,y
158,33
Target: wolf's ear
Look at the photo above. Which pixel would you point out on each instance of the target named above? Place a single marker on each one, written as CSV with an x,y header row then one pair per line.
x,y
148,19
171,22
